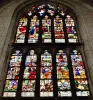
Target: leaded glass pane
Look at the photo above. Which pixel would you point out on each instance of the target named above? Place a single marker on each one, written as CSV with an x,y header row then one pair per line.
x,y
11,83
63,81
46,30
34,30
46,88
81,84
71,31
46,82
58,30
21,30
29,77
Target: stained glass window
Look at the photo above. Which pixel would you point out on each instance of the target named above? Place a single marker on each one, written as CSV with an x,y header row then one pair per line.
x,y
58,30
71,31
46,30
34,30
46,82
29,77
40,73
11,83
81,82
21,30
63,82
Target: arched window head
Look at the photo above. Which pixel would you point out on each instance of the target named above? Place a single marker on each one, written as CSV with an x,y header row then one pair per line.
x,y
58,26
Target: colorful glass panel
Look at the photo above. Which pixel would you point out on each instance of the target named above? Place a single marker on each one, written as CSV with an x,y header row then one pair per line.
x,y
58,30
81,83
21,30
29,77
41,12
51,12
46,82
63,81
13,73
46,30
11,84
71,31
46,88
34,30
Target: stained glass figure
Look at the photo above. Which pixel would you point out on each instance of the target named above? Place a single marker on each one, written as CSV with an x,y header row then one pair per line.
x,y
21,30
34,30
46,88
28,88
30,73
46,30
29,77
46,72
71,31
81,83
11,85
63,81
46,82
13,74
58,30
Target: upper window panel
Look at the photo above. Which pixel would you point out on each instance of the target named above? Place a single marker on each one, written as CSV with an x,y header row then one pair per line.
x,y
58,30
46,30
34,30
21,30
47,24
71,31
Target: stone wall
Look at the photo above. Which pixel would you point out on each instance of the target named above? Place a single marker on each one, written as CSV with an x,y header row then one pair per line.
x,y
84,14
